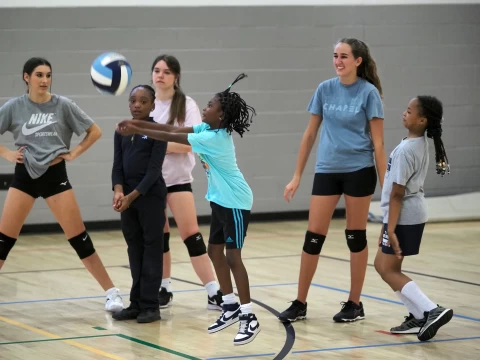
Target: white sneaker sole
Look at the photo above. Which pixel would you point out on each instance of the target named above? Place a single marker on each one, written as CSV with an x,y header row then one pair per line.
x,y
246,341
114,307
415,330
224,326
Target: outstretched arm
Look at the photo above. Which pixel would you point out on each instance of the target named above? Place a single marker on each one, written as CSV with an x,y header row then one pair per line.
x,y
147,125
166,136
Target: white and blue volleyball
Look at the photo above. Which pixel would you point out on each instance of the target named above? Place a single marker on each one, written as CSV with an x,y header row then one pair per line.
x,y
111,73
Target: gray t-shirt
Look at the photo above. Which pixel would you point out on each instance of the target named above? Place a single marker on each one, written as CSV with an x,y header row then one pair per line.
x,y
407,166
45,129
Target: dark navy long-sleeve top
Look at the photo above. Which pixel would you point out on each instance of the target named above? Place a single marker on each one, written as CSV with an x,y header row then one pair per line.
x,y
137,164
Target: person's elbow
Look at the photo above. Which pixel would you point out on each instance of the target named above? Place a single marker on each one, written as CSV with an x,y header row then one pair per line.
x,y
95,132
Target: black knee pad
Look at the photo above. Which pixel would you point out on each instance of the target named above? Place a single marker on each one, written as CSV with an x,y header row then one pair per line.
x,y
313,243
6,244
356,240
83,245
195,245
166,242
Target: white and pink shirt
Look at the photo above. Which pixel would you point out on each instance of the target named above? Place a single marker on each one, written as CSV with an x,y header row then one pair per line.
x,y
177,168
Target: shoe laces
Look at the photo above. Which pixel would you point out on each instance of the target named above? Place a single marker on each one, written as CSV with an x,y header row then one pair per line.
x,y
347,305
243,326
296,304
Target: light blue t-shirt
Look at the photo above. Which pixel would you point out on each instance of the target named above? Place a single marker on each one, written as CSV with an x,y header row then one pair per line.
x,y
345,141
226,185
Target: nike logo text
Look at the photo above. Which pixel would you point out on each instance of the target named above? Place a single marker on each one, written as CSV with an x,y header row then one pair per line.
x,y
40,120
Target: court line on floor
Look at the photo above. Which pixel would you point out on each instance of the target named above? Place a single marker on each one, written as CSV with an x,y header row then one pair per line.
x,y
248,258
289,329
199,290
410,272
157,347
386,300
127,294
350,348
56,339
53,336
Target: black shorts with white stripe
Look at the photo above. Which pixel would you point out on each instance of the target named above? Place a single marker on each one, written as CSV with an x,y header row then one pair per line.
x,y
228,226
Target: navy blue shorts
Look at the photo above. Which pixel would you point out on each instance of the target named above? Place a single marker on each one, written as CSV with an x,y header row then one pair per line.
x,y
228,226
409,238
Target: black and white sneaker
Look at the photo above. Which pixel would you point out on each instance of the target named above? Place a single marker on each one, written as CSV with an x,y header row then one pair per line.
x,y
215,302
296,311
230,315
249,329
165,298
409,326
435,319
350,312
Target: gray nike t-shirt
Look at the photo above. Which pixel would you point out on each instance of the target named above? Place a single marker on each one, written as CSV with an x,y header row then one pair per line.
x,y
407,166
45,129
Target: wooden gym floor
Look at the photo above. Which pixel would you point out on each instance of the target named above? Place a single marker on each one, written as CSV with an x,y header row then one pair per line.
x,y
51,308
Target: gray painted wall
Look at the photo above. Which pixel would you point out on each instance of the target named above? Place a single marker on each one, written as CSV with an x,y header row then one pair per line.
x,y
286,52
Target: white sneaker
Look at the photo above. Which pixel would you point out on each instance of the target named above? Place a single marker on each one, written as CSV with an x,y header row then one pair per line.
x,y
114,301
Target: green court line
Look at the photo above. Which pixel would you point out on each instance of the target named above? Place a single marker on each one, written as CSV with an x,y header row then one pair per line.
x,y
98,328
59,339
161,348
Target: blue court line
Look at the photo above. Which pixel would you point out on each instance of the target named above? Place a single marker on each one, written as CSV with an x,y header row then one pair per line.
x,y
387,300
385,345
102,296
350,348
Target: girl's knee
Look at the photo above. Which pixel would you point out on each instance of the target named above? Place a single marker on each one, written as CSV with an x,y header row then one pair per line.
x,y
234,257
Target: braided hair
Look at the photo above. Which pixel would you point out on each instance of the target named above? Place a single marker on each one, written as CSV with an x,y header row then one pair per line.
x,y
149,89
237,114
432,108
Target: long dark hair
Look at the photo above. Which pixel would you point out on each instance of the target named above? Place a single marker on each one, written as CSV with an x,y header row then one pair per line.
x,y
177,108
368,68
432,109
237,115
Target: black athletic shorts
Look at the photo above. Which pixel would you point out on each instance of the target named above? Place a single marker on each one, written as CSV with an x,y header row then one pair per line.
x,y
228,226
52,182
358,183
409,238
180,188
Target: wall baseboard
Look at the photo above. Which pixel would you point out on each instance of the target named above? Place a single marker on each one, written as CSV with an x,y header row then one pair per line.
x,y
109,225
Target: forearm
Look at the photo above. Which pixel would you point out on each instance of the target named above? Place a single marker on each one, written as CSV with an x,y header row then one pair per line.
x,y
3,151
153,126
177,148
396,201
133,195
118,188
166,136
92,136
305,148
381,164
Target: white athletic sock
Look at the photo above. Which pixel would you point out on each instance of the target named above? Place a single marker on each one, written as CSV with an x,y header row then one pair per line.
x,y
167,284
212,288
229,299
417,297
111,291
412,309
246,308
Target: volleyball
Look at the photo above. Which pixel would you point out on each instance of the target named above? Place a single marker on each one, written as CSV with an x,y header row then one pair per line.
x,y
111,73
